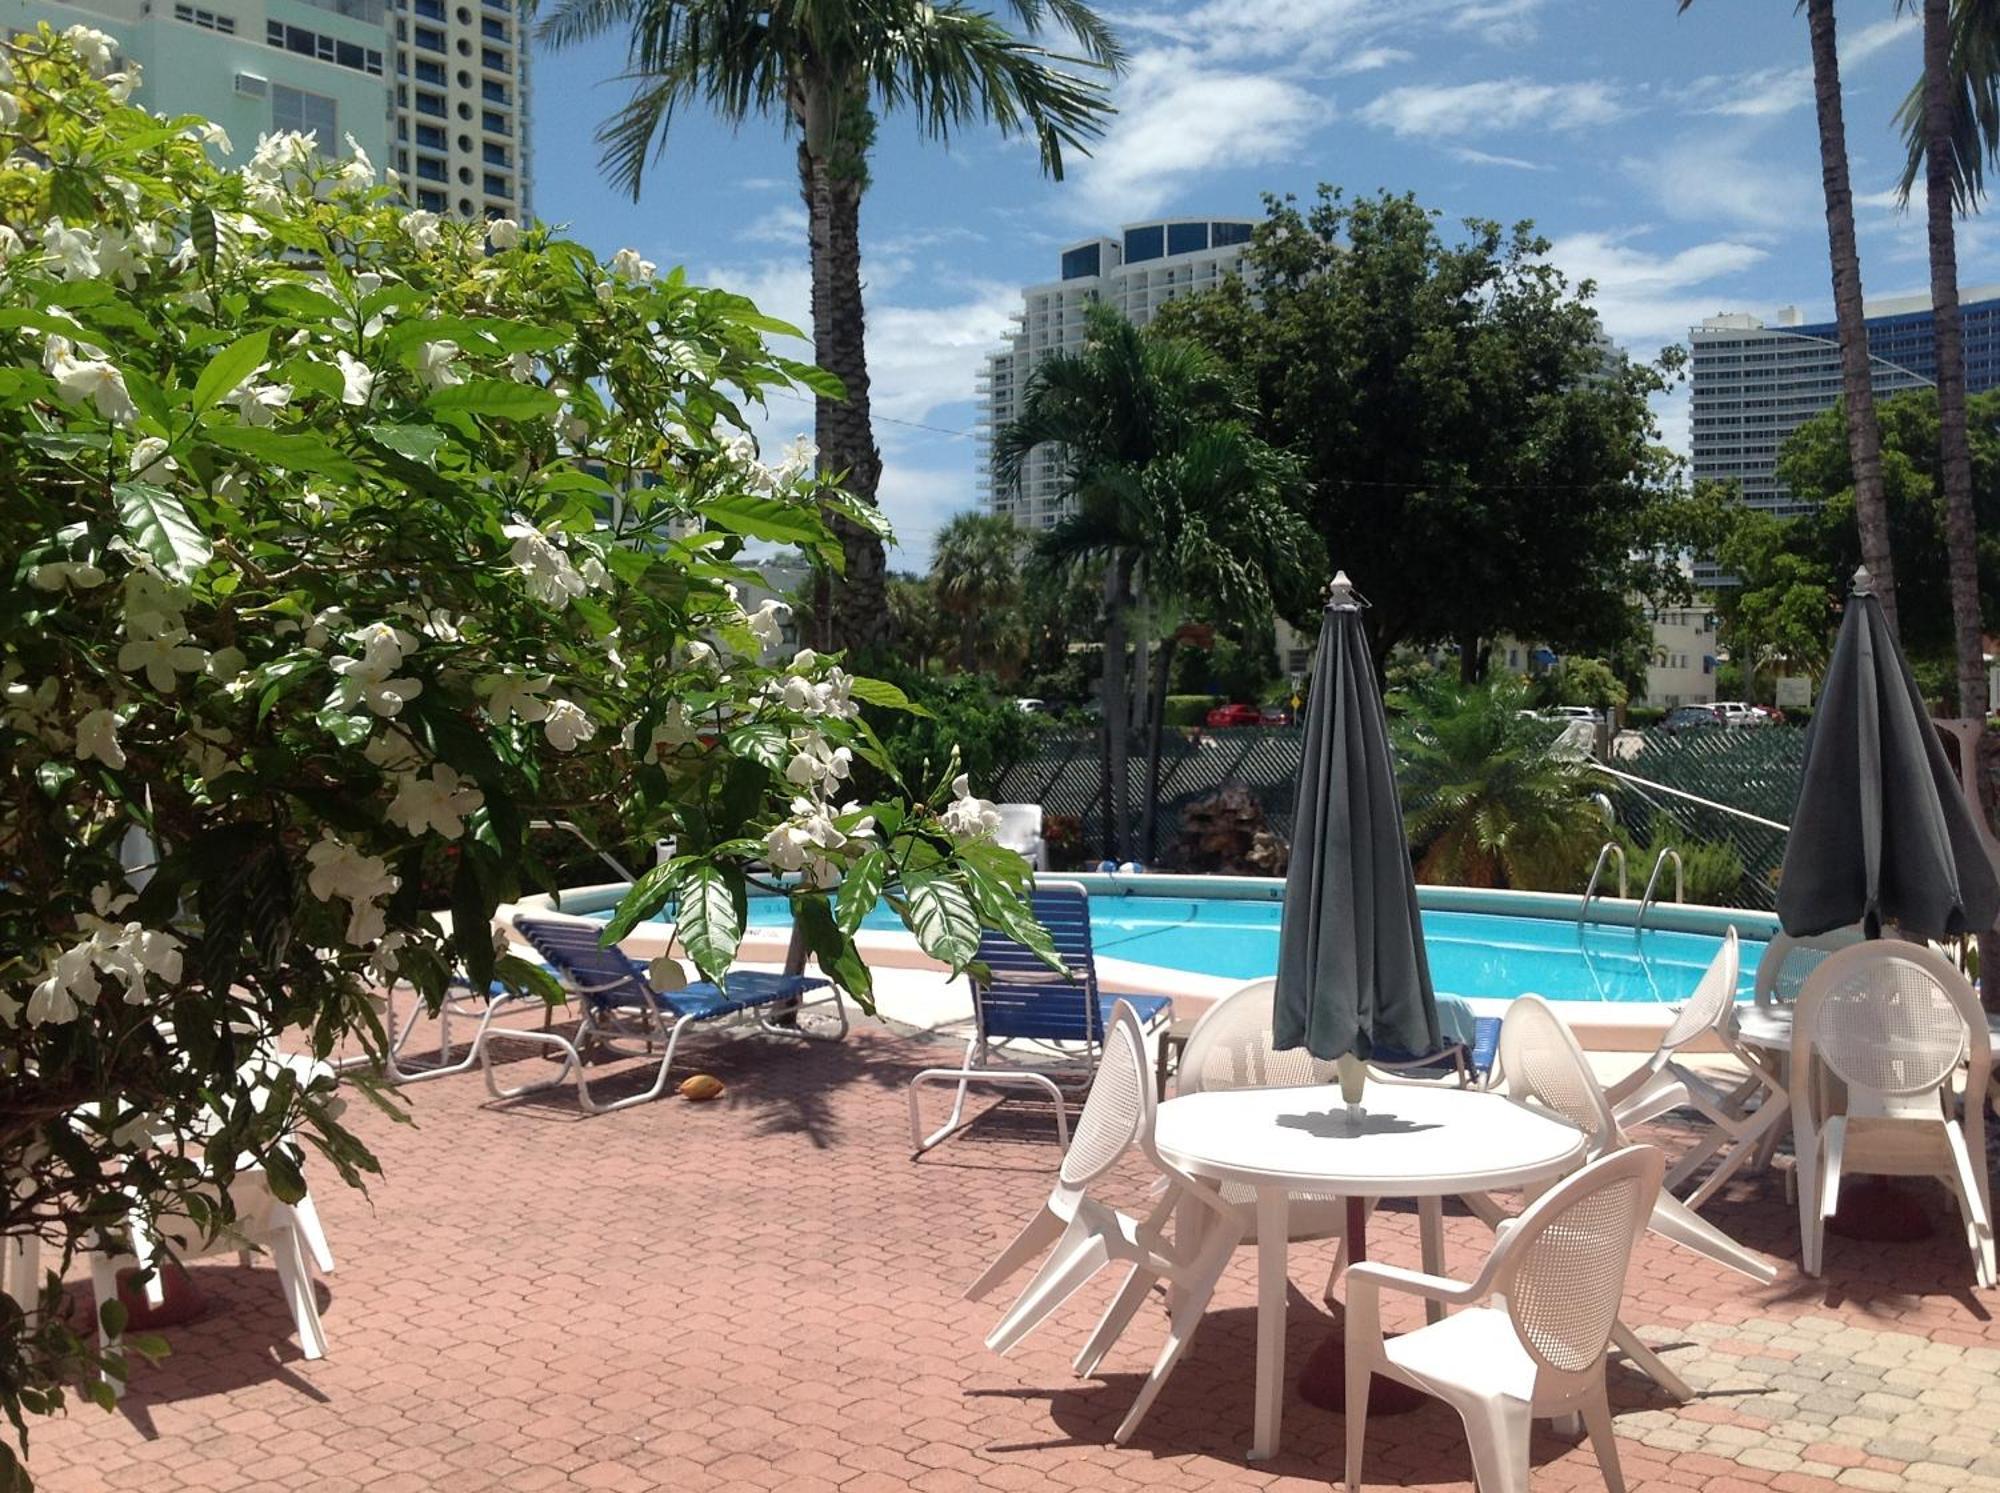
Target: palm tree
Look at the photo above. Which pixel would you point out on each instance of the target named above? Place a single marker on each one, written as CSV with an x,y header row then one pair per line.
x,y
1951,121
1864,437
976,570
1486,802
823,67
1163,478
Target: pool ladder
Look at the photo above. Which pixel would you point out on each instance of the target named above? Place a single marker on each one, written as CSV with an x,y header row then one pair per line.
x,y
1667,853
1610,850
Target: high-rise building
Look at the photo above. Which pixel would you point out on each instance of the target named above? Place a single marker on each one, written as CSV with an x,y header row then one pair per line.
x,y
1754,383
436,89
1137,272
461,106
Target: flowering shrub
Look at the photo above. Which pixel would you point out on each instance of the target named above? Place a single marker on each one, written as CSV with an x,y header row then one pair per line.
x,y
338,534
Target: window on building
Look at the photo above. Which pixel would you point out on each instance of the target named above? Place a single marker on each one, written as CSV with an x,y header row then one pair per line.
x,y
494,121
430,38
1186,238
430,135
1145,243
430,168
496,30
489,57
434,9
492,92
1221,235
495,155
208,20
306,43
432,202
430,72
295,109
430,103
496,186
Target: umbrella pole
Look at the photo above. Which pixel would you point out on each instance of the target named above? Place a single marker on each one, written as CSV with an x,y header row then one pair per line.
x,y
1323,1381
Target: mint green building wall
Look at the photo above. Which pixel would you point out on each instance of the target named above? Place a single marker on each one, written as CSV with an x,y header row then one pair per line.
x,y
192,70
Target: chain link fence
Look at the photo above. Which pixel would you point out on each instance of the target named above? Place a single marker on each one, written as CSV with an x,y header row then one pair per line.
x,y
1753,772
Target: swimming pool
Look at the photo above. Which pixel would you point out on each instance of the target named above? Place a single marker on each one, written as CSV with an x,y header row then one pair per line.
x,y
1474,952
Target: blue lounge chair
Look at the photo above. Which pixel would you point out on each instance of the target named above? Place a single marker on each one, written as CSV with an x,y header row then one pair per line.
x,y
1021,1003
620,1006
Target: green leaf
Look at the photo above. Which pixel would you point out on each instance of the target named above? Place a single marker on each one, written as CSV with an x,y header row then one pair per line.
x,y
157,522
881,692
938,911
302,300
501,398
710,916
113,1315
814,378
519,974
418,442
296,451
288,1183
229,368
836,953
764,742
765,518
646,897
348,730
862,889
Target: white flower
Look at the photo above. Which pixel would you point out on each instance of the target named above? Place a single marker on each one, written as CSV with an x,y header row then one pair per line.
x,y
77,575
699,654
816,764
119,257
361,881
120,84
566,725
767,623
550,577
162,656
507,696
213,135
10,241
422,228
627,265
10,110
258,404
797,461
71,975
357,379
149,461
503,233
97,380
371,680
606,292
131,953
359,171
434,364
97,736
439,802
968,817
93,47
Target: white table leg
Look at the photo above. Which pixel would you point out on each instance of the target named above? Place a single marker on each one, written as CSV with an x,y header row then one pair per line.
x,y
1430,1227
1273,1237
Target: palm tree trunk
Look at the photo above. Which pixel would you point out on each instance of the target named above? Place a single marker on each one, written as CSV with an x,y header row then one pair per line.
x,y
1955,455
853,610
1156,727
968,645
1864,436
1117,790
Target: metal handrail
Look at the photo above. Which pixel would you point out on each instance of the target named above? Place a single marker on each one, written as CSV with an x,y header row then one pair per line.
x,y
1667,853
624,871
1610,849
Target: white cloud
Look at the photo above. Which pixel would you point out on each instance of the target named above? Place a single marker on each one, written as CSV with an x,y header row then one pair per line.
x,y
1765,92
1505,23
784,223
1441,110
1178,117
1648,299
1370,59
1487,158
1728,176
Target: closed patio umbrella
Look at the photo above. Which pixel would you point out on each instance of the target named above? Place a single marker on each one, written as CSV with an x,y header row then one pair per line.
x,y
1881,833
1352,973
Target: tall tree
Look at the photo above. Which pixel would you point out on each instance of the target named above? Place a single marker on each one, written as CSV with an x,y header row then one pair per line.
x,y
976,571
824,67
1950,121
1160,469
1857,391
1480,459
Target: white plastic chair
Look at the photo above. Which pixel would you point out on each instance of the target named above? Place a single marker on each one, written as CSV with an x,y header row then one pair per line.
x,y
1231,1047
1541,1064
1737,1127
1089,1234
1878,1035
1557,1274
1020,830
1789,962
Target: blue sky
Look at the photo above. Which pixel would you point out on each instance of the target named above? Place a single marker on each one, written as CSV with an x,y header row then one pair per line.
x,y
1671,158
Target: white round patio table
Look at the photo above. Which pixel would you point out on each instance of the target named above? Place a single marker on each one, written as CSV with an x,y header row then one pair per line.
x,y
1414,1140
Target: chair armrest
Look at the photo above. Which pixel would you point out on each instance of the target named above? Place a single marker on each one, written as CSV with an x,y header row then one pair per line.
x,y
1415,1282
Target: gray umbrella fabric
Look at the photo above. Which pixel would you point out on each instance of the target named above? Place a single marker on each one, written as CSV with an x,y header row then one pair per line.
x,y
1881,833
1353,976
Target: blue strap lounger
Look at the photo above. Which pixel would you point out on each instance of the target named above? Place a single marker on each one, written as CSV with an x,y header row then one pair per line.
x,y
1022,1001
620,1007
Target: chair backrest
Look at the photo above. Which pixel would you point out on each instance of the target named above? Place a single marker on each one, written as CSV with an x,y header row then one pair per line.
x,y
1118,1110
1789,962
571,948
1230,1048
1541,1064
1020,825
1712,1000
1889,1017
1021,996
1562,1266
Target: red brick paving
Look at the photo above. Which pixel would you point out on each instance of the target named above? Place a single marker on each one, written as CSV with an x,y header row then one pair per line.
x,y
763,1292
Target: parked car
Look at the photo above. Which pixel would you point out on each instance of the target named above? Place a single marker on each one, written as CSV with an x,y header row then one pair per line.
x,y
1572,713
1238,714
1274,715
1692,718
1034,706
1741,713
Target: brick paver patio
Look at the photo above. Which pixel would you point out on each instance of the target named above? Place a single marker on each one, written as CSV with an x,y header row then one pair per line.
x,y
764,1293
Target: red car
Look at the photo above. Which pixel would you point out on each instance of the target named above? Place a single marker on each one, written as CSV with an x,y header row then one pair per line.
x,y
1235,715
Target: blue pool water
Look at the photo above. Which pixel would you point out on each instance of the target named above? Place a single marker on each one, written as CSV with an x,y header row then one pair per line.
x,y
1471,953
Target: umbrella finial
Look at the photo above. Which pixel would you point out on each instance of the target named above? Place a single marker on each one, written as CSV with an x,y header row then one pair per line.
x,y
1340,591
1864,583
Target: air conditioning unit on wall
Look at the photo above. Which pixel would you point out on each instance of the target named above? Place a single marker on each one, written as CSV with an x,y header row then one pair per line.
x,y
250,85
